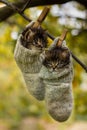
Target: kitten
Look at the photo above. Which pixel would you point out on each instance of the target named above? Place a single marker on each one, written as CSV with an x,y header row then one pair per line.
x,y
33,38
56,58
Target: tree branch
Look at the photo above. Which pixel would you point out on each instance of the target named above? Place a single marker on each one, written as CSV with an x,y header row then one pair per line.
x,y
6,12
25,6
16,9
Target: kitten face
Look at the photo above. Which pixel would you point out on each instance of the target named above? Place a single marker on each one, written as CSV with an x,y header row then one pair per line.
x,y
56,58
34,38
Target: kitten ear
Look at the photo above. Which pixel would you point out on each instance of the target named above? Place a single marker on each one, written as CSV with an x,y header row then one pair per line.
x,y
65,54
53,45
27,27
30,24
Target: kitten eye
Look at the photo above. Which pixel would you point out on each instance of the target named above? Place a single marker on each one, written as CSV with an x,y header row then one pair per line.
x,y
35,41
49,64
56,64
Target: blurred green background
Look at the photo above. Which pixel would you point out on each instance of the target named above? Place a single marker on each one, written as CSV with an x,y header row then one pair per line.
x,y
18,109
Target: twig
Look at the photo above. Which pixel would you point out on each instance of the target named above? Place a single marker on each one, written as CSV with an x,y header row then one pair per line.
x,y
49,35
12,6
79,62
41,17
23,9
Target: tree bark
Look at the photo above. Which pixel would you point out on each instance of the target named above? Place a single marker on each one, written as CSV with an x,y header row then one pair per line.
x,y
6,12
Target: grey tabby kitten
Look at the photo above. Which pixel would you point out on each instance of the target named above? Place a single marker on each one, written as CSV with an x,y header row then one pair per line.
x,y
34,38
57,75
30,45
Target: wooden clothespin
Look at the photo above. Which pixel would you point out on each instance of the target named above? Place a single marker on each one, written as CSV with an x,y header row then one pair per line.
x,y
62,38
41,17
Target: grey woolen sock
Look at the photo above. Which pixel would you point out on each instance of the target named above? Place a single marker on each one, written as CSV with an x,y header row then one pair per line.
x,y
30,64
58,89
58,92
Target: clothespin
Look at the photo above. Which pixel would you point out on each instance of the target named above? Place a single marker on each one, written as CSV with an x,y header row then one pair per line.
x,y
41,17
62,38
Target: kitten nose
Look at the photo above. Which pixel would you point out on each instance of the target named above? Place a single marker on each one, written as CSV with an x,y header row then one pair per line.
x,y
53,69
40,45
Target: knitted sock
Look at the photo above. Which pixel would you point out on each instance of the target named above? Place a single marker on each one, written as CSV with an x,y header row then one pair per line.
x,y
30,64
58,91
